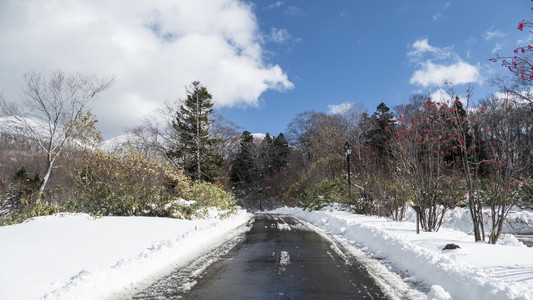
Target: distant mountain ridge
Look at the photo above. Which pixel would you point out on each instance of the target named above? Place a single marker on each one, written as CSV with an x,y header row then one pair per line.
x,y
9,125
11,131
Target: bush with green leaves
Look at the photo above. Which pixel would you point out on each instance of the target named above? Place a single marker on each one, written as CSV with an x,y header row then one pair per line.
x,y
209,195
325,192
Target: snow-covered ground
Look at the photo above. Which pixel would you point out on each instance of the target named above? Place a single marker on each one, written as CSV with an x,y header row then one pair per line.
x,y
78,257
475,271
518,221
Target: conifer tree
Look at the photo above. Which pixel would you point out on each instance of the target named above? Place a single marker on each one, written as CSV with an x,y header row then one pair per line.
x,y
265,156
243,169
280,149
194,149
378,130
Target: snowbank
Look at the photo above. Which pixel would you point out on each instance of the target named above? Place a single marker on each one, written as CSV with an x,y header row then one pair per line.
x,y
78,257
475,271
517,221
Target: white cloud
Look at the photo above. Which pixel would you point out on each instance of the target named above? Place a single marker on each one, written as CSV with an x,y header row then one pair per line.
x,y
439,65
437,16
422,47
491,33
294,11
443,97
279,35
275,5
440,96
340,108
497,48
154,48
471,41
522,42
437,74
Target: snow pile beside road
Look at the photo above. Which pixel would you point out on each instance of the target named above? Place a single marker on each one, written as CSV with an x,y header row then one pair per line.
x,y
517,221
475,271
78,257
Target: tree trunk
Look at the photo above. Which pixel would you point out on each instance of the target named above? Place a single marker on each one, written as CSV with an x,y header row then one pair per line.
x,y
49,166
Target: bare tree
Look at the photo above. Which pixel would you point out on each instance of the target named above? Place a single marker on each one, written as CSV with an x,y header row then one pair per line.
x,y
508,129
521,66
50,106
149,138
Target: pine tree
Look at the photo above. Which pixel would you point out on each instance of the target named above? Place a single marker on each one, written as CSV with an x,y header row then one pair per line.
x,y
265,156
243,169
194,149
280,153
378,130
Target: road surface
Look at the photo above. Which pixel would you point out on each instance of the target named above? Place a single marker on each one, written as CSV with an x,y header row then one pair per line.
x,y
279,258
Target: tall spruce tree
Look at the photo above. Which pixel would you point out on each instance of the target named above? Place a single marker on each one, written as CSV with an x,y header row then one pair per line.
x,y
243,168
280,149
378,130
265,156
194,149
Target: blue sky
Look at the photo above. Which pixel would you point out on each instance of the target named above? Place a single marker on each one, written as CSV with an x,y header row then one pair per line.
x,y
264,61
358,51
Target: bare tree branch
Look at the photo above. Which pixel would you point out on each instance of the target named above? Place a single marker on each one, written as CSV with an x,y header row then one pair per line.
x,y
49,105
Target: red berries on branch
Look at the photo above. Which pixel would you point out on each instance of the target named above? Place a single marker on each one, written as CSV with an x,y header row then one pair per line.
x,y
521,26
520,64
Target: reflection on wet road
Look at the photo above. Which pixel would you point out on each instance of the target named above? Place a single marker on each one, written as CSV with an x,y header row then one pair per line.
x,y
279,258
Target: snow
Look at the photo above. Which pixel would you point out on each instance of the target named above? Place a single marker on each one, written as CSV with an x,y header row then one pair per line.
x,y
76,256
284,260
517,221
258,137
117,142
475,271
438,293
10,125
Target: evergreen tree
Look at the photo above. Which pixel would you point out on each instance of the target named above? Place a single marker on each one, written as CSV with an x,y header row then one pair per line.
x,y
456,118
265,156
243,169
378,130
280,153
268,139
194,149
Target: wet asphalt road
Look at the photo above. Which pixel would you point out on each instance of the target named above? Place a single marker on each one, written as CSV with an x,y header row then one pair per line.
x,y
279,258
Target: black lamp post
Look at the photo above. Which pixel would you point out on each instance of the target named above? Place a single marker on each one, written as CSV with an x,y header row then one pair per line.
x,y
348,151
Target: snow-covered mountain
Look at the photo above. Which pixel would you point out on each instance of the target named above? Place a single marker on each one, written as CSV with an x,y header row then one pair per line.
x,y
258,136
11,126
13,131
116,143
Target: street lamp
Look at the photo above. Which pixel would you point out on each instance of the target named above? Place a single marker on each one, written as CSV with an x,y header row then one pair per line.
x,y
348,151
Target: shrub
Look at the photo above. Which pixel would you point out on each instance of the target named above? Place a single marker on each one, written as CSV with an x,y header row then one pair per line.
x,y
126,184
325,192
210,195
